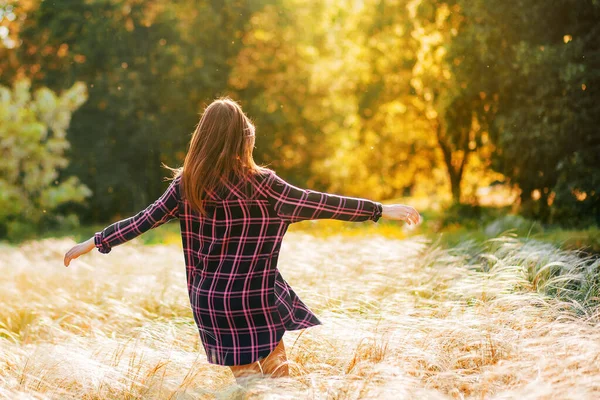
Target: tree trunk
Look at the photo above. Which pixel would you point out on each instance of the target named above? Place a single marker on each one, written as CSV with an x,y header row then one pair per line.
x,y
544,208
455,172
455,179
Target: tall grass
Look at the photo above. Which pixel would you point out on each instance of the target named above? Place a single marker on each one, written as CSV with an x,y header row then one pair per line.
x,y
506,318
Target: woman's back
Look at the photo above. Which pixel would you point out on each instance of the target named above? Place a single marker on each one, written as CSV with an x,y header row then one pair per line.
x,y
239,232
246,220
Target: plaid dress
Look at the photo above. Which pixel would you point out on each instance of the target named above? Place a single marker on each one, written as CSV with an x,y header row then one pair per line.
x,y
240,302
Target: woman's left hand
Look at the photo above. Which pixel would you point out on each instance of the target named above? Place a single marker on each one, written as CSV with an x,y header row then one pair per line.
x,y
79,249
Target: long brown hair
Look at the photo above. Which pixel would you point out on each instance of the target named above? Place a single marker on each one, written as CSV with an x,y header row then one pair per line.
x,y
220,149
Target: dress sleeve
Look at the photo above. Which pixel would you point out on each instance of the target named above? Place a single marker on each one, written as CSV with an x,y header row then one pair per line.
x,y
294,204
165,208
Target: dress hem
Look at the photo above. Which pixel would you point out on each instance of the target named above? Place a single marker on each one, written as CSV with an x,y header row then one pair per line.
x,y
263,354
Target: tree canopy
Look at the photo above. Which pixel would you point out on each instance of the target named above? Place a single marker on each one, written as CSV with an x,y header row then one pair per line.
x,y
374,98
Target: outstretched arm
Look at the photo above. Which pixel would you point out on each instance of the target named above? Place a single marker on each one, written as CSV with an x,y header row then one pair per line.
x,y
165,208
294,204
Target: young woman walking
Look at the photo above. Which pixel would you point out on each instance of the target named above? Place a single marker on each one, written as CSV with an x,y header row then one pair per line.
x,y
233,215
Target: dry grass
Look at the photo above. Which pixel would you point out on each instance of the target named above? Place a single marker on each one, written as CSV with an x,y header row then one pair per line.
x,y
402,319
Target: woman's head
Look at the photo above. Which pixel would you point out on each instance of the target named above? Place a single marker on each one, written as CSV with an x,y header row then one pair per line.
x,y
221,146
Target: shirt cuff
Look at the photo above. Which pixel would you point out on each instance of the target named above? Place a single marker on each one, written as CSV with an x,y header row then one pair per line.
x,y
377,211
101,245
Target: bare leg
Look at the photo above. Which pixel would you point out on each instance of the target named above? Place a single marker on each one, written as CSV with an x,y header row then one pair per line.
x,y
274,365
245,370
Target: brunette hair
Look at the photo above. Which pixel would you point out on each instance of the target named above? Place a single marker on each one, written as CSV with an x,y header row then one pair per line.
x,y
220,149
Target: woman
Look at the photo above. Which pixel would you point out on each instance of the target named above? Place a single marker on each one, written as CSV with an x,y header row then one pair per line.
x,y
233,215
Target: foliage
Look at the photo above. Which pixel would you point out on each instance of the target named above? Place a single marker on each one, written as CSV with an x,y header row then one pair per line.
x,y
149,66
383,99
542,69
33,144
448,99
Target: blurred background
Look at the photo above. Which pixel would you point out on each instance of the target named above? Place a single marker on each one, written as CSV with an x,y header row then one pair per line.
x,y
483,114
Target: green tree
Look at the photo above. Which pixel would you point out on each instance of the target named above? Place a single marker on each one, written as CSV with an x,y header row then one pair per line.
x,y
33,143
541,64
149,67
449,97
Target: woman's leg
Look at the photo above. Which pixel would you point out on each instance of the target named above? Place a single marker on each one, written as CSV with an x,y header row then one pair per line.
x,y
245,371
274,365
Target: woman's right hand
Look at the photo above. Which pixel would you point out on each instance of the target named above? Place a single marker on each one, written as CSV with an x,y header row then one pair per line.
x,y
79,249
401,212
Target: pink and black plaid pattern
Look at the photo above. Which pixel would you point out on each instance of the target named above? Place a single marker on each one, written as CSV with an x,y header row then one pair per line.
x,y
240,302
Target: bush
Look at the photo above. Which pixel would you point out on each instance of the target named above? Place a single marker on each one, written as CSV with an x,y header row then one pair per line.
x,y
33,142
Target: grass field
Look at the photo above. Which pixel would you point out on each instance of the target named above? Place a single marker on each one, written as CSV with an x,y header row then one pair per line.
x,y
402,318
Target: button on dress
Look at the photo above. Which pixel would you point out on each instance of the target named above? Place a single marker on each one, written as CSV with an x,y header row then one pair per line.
x,y
240,302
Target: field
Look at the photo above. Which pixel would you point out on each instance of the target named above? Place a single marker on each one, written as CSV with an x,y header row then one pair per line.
x,y
505,318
